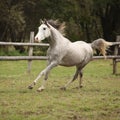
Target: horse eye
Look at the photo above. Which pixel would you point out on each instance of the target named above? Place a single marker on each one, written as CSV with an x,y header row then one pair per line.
x,y
44,28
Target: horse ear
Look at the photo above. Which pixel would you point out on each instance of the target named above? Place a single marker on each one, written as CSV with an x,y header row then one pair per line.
x,y
41,21
46,22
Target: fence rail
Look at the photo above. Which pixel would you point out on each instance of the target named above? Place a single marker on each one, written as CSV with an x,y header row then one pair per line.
x,y
23,44
14,58
35,44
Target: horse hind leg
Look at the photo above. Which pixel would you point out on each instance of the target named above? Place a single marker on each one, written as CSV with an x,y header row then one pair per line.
x,y
81,76
69,82
80,79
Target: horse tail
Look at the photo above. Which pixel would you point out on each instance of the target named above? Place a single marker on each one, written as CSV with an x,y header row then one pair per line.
x,y
101,45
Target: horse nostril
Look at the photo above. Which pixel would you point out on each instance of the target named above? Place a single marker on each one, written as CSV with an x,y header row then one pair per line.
x,y
36,39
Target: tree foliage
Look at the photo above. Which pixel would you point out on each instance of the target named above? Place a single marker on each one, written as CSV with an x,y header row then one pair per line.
x,y
108,11
86,19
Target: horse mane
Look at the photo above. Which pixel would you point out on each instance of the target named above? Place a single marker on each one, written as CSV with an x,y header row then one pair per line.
x,y
58,25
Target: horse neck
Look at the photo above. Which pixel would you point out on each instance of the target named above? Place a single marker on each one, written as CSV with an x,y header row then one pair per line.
x,y
57,38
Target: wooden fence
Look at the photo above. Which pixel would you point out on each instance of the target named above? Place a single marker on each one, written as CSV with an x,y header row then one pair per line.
x,y
30,57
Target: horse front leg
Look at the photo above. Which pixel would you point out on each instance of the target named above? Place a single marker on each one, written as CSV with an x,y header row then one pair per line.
x,y
44,82
44,72
35,81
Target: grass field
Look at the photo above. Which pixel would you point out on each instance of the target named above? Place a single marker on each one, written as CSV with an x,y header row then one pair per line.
x,y
99,99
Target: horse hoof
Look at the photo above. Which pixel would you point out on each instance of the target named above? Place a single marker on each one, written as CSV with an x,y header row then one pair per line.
x,y
63,88
40,90
30,87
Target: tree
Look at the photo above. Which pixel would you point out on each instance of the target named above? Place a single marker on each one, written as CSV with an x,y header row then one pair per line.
x,y
12,22
86,19
109,13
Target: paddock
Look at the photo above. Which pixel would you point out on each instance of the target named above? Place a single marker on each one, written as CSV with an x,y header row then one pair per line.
x,y
98,99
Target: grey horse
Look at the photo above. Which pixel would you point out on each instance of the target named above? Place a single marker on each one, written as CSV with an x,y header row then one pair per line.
x,y
64,52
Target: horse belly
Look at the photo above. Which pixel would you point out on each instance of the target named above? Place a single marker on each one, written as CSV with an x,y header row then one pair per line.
x,y
71,60
77,56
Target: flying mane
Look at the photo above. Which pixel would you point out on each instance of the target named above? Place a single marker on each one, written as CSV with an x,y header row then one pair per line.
x,y
58,25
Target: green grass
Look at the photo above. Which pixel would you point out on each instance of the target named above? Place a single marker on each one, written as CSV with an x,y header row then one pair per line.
x,y
99,99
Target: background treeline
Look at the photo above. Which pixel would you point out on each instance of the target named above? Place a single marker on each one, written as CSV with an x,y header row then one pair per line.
x,y
86,19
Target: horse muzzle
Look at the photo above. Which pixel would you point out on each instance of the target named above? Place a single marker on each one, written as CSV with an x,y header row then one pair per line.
x,y
37,40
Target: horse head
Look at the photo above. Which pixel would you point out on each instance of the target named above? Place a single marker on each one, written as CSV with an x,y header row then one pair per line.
x,y
43,31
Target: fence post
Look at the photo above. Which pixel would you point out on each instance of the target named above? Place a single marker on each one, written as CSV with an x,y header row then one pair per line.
x,y
30,51
116,53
